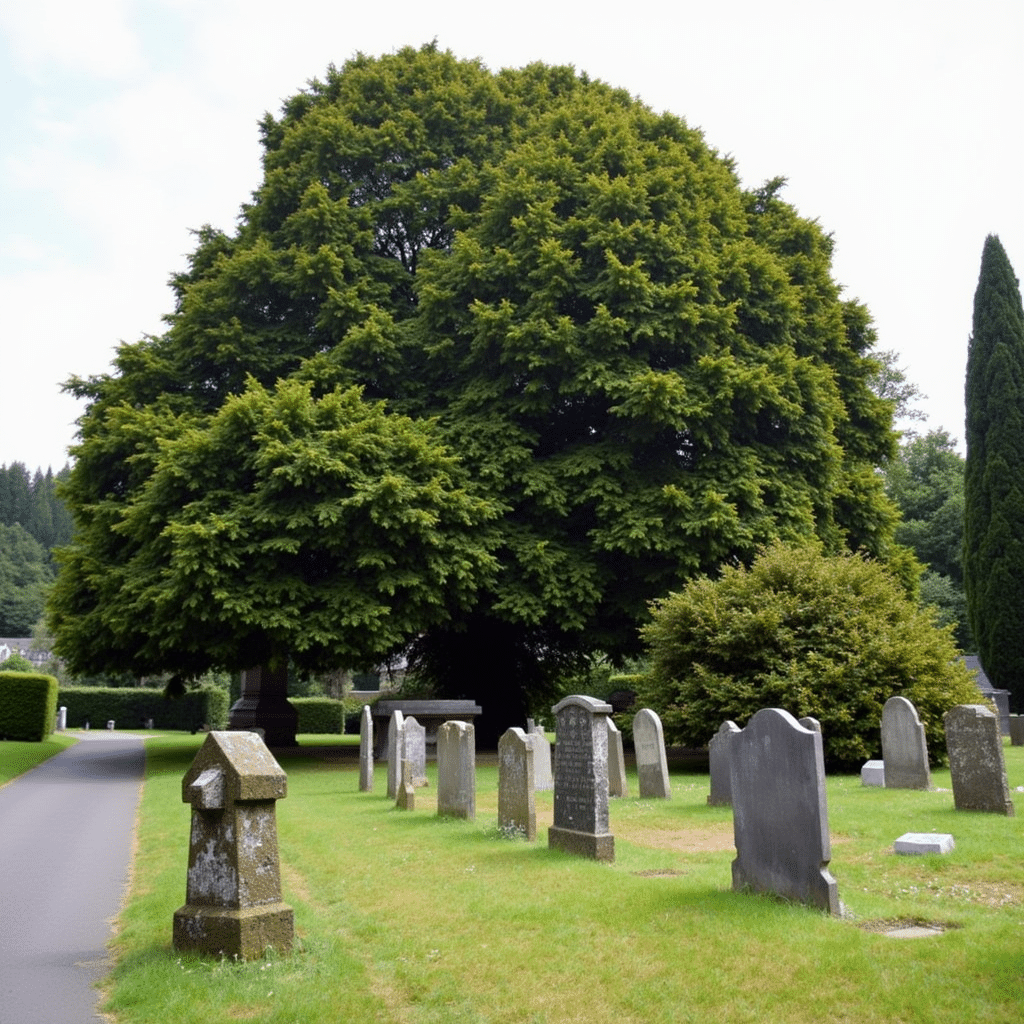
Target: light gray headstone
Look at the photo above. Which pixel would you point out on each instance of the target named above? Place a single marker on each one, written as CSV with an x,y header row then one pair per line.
x,y
904,750
780,815
617,785
581,779
872,773
924,842
543,776
517,806
721,765
975,747
651,760
366,751
396,743
414,750
456,770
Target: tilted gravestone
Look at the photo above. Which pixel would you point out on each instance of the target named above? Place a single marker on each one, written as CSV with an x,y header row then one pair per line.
x,y
617,785
396,745
976,764
780,816
581,779
366,751
233,902
721,765
904,749
517,805
456,770
543,777
414,750
651,759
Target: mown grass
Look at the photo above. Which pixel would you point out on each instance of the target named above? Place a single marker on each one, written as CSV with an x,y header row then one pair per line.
x,y
17,758
407,917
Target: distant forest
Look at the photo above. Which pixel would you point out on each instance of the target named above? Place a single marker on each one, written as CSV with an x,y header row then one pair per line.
x,y
33,521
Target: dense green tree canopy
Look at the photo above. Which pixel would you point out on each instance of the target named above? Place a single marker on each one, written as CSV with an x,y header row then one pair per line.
x,y
833,637
994,477
284,526
645,369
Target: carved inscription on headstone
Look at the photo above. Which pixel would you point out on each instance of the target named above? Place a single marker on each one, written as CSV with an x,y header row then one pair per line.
x,y
581,779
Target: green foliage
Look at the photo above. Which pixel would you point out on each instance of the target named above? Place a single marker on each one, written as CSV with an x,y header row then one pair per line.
x,y
833,637
131,708
644,368
24,577
16,662
32,502
994,478
319,714
28,706
320,529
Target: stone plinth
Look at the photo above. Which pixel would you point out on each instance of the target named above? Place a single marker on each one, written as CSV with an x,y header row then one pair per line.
x,y
923,842
233,895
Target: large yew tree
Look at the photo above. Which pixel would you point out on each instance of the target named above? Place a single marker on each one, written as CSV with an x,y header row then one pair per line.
x,y
994,474
644,369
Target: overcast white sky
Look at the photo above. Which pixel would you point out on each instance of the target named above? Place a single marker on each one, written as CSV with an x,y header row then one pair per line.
x,y
125,124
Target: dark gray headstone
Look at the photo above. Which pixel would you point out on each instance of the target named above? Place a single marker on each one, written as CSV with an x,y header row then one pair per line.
x,y
976,764
651,760
396,742
1017,730
581,779
780,815
719,760
517,806
617,785
904,750
456,770
366,751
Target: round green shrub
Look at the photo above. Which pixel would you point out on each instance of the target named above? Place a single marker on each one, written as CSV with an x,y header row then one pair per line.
x,y
833,637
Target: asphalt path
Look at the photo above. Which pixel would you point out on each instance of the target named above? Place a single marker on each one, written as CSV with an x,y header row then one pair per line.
x,y
65,851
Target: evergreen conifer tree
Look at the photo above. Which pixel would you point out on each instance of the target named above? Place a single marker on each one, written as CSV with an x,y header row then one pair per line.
x,y
994,475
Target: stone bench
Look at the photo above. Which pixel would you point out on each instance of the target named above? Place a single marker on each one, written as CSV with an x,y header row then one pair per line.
x,y
431,714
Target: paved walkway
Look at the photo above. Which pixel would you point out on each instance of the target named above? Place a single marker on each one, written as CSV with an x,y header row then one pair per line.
x,y
65,849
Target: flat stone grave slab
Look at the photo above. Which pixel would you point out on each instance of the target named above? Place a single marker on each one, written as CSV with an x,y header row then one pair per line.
x,y
924,842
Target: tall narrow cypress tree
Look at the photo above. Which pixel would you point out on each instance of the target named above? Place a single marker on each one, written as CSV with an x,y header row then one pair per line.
x,y
994,477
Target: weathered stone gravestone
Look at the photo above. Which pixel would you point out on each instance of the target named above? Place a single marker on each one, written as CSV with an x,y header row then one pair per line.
x,y
517,805
651,759
456,770
581,779
780,817
543,777
617,785
396,745
414,750
904,750
1017,730
975,747
405,798
719,760
233,902
366,751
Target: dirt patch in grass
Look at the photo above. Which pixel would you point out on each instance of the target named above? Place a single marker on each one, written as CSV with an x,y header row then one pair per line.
x,y
891,924
715,838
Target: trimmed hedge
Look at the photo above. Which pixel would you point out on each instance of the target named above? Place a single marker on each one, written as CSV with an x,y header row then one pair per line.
x,y
319,714
131,708
28,706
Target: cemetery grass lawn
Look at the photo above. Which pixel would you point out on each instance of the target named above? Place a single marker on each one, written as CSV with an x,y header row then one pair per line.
x,y
406,917
17,758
